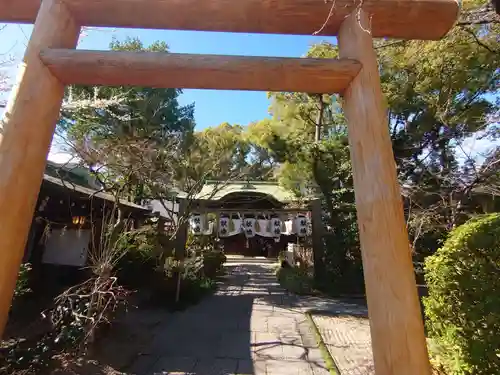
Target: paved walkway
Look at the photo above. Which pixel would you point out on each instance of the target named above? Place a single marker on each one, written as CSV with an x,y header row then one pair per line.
x,y
347,338
250,326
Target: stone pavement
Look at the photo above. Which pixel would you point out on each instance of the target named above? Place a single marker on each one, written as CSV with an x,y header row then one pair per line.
x,y
347,338
250,326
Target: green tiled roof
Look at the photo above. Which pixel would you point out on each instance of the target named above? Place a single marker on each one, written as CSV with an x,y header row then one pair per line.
x,y
216,190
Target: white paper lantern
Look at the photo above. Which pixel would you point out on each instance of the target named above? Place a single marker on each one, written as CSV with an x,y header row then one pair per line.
x,y
301,225
237,224
249,227
195,225
289,227
276,227
224,226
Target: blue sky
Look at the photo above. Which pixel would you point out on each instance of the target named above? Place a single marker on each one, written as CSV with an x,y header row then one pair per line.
x,y
211,107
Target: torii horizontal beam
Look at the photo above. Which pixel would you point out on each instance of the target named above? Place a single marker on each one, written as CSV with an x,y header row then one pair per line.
x,y
156,69
407,19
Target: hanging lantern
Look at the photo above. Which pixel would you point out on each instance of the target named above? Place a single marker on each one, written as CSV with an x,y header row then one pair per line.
x,y
264,227
224,226
301,224
235,224
249,227
269,226
289,227
231,225
276,227
195,225
78,220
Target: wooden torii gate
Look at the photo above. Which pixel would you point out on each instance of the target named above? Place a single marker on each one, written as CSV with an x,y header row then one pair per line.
x,y
51,62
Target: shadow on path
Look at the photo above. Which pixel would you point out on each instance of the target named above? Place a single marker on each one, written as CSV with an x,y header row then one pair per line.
x,y
249,326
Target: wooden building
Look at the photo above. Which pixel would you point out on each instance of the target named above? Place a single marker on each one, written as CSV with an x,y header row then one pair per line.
x,y
68,215
243,213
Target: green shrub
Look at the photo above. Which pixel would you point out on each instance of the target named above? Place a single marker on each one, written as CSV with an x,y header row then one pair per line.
x,y
463,306
295,280
213,262
22,280
193,287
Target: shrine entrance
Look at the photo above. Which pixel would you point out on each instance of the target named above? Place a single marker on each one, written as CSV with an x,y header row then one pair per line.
x,y
251,218
51,62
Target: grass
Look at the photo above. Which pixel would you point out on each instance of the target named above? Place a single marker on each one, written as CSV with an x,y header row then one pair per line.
x,y
325,353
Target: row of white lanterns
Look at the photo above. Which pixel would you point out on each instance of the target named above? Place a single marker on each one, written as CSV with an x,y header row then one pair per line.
x,y
274,227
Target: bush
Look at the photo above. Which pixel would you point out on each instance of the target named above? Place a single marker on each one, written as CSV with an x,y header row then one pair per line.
x,y
135,269
68,326
463,306
212,251
22,280
193,287
295,280
213,262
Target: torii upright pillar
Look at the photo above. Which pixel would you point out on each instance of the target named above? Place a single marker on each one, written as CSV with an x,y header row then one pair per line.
x,y
25,135
397,331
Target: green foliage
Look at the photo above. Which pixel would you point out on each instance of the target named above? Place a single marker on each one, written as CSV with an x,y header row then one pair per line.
x,y
463,306
213,262
192,291
319,167
146,242
22,283
164,284
439,94
160,278
226,152
133,138
210,249
295,280
342,258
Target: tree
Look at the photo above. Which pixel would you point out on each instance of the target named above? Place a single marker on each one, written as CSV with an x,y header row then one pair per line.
x,y
221,150
4,78
127,131
307,141
440,94
141,145
131,138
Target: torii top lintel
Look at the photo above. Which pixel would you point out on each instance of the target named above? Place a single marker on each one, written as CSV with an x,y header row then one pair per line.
x,y
405,19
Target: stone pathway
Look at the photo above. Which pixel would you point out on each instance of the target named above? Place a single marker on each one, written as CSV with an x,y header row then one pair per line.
x,y
250,326
347,338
